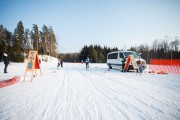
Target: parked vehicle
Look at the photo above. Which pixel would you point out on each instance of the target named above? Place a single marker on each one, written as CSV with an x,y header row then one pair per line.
x,y
117,59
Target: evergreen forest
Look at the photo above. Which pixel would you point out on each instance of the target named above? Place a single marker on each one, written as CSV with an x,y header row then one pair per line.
x,y
17,44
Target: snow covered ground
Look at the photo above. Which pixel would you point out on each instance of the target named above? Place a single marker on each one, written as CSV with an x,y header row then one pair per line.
x,y
74,93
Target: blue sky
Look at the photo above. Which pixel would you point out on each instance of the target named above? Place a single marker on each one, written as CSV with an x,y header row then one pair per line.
x,y
121,23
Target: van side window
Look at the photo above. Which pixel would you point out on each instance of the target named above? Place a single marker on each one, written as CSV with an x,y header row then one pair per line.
x,y
113,56
121,55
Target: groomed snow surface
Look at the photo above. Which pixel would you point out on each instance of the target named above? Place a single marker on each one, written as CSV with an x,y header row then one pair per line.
x,y
74,93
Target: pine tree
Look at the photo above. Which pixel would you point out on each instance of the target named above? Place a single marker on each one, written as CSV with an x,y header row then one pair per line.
x,y
18,43
52,42
35,37
27,41
2,41
91,54
41,38
44,38
96,53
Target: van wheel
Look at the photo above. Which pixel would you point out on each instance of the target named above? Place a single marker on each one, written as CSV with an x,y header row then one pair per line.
x,y
109,66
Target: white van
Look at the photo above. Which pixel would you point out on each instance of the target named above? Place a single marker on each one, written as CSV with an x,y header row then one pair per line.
x,y
117,59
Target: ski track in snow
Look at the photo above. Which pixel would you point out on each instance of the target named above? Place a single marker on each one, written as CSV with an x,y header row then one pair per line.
x,y
74,93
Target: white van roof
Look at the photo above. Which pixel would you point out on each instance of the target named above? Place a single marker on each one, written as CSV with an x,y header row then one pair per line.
x,y
120,51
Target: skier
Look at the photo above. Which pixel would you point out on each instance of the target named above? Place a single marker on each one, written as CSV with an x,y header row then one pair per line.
x,y
61,63
59,60
6,62
87,63
81,61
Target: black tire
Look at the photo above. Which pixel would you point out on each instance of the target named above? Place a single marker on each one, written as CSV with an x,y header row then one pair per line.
x,y
110,67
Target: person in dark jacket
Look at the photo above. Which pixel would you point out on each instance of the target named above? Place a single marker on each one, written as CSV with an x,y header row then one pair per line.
x,y
6,62
61,62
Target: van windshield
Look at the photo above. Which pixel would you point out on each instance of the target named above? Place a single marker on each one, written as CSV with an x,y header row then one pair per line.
x,y
131,53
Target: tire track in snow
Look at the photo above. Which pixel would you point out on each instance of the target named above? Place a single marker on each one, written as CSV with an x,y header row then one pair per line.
x,y
124,101
92,94
49,107
95,91
98,89
125,95
150,108
159,101
28,104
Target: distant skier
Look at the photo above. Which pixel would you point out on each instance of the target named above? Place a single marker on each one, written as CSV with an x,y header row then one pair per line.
x,y
61,62
81,61
87,63
6,62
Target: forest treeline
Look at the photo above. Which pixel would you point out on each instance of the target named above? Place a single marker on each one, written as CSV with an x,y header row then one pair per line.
x,y
166,48
96,53
18,43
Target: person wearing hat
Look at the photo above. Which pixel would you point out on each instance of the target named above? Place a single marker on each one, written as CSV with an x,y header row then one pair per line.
x,y
6,62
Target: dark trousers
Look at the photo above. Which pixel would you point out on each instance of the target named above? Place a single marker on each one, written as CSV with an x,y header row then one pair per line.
x,y
61,64
123,66
58,65
5,68
87,65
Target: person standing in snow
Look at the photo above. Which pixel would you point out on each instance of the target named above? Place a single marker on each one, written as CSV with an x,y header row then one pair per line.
x,y
140,68
39,61
81,61
123,64
87,63
59,60
6,62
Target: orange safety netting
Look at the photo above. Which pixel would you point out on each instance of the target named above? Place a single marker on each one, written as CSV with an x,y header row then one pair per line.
x,y
169,66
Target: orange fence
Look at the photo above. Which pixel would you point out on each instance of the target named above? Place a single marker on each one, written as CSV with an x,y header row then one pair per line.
x,y
169,66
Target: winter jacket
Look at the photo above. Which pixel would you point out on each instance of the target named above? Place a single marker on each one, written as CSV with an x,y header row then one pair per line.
x,y
87,60
6,59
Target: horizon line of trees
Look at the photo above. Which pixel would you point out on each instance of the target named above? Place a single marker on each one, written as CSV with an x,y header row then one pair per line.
x,y
160,49
96,53
18,43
